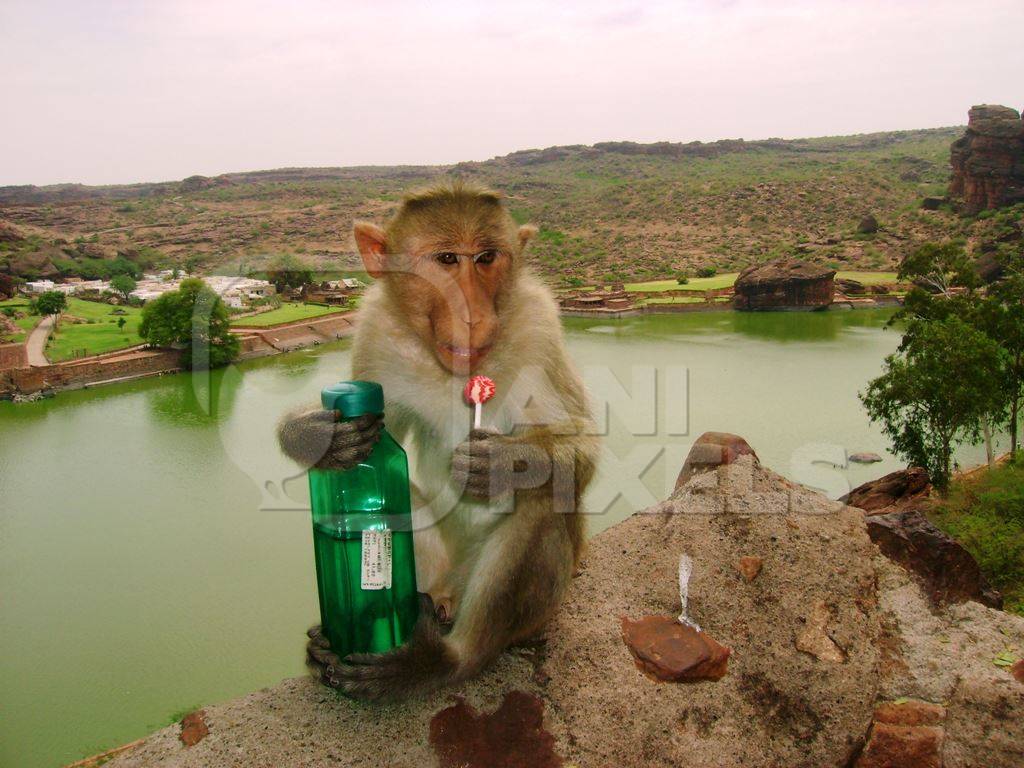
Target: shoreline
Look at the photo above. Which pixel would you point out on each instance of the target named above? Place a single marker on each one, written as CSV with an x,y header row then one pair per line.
x,y
131,363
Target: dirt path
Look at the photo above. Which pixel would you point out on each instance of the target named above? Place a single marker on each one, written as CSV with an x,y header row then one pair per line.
x,y
35,346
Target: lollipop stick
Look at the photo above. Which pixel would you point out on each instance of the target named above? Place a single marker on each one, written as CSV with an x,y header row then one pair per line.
x,y
476,416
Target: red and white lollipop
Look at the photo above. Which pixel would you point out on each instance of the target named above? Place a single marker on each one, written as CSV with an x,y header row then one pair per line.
x,y
478,391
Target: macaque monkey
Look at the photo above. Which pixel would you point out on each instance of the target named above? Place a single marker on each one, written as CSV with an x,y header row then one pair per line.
x,y
499,529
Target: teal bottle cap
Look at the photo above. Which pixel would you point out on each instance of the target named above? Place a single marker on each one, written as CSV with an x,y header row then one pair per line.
x,y
353,398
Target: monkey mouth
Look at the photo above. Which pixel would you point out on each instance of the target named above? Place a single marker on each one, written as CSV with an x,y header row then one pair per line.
x,y
462,357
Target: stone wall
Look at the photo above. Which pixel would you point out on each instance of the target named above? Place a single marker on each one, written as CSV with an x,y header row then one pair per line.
x,y
12,356
78,373
297,335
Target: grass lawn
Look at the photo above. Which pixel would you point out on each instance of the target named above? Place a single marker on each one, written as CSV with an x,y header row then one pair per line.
x,y
26,323
677,300
986,515
695,284
728,278
100,334
868,278
288,312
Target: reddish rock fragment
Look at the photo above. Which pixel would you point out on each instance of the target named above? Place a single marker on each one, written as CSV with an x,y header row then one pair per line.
x,y
1017,670
814,638
749,567
510,737
911,712
668,651
901,746
194,728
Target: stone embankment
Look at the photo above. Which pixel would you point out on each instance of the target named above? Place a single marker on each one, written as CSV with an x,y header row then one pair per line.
x,y
820,651
18,377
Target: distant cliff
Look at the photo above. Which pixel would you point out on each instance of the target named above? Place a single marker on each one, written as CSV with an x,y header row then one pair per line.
x,y
988,160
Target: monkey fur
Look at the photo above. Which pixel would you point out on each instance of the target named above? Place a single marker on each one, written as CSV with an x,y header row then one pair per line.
x,y
499,528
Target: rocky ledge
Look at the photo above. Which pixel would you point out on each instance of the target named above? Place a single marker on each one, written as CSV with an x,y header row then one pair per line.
x,y
785,284
817,651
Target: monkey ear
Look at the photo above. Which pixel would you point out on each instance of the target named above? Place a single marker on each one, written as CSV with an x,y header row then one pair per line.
x,y
372,244
526,233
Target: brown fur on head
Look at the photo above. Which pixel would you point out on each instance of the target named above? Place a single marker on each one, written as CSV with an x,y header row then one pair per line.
x,y
447,256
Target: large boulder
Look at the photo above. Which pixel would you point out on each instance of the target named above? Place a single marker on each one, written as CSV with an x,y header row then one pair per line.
x,y
825,641
785,284
711,450
949,573
901,489
988,160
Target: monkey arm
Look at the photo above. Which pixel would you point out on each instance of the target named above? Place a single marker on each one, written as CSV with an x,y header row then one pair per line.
x,y
315,438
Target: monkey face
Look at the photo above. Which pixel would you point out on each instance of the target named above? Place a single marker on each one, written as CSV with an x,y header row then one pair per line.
x,y
447,259
449,291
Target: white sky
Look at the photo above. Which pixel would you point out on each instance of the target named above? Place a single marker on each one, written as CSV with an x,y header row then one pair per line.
x,y
106,91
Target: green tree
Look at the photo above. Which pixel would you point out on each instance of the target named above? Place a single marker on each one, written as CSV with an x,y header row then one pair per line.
x,y
937,392
195,319
121,323
192,264
939,267
288,271
123,284
1001,316
51,303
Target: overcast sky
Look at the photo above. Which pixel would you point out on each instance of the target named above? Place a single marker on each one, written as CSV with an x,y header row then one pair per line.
x,y
106,91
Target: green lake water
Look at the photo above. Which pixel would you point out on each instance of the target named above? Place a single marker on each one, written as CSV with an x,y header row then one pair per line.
x,y
155,549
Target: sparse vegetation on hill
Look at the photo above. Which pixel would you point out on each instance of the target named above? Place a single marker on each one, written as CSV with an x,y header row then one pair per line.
x,y
616,211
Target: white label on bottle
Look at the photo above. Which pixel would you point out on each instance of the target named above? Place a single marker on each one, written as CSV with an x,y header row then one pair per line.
x,y
376,571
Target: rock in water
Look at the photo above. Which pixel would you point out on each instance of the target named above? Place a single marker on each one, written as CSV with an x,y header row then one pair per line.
x,y
669,651
864,457
949,572
988,160
784,284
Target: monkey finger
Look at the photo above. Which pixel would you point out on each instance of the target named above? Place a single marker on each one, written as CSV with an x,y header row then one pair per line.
x,y
346,434
484,434
317,637
471,465
322,656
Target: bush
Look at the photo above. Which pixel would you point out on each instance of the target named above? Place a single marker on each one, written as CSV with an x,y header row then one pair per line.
x,y
682,279
706,272
987,517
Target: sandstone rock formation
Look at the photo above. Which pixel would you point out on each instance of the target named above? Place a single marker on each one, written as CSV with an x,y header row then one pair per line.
x,y
988,160
902,489
785,284
949,572
711,450
577,698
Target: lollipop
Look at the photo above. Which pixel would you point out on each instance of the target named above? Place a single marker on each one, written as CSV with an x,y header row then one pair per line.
x,y
478,391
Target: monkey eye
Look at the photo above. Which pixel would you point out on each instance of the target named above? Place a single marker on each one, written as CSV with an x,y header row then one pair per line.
x,y
446,258
485,257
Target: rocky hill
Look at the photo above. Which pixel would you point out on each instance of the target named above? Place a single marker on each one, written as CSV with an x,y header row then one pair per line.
x,y
823,653
614,210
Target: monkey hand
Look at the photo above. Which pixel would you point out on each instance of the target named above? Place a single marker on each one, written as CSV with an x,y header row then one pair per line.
x,y
420,665
489,465
317,439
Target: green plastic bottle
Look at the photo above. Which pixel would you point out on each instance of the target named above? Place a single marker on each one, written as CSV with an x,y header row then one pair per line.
x,y
362,537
